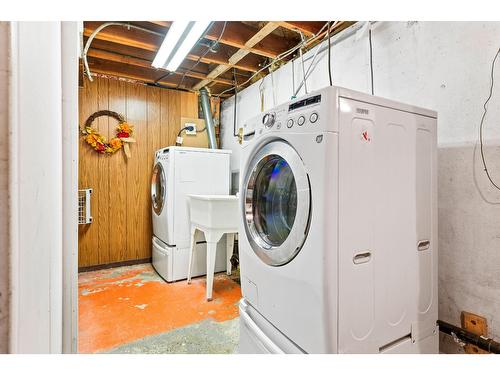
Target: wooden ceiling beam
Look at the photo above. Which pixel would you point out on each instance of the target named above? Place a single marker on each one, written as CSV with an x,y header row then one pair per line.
x,y
239,35
116,57
128,60
130,75
301,26
122,35
236,34
240,54
210,60
165,24
242,47
135,72
341,25
122,49
201,77
119,40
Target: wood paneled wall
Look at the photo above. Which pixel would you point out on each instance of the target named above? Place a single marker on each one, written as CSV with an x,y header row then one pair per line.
x,y
121,229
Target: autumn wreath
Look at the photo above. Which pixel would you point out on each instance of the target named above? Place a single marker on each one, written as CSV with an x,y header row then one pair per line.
x,y
99,143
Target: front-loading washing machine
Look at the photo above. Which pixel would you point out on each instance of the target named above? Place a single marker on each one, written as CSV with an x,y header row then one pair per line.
x,y
338,230
177,173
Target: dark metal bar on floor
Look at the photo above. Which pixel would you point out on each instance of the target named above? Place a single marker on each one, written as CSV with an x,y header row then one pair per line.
x,y
481,342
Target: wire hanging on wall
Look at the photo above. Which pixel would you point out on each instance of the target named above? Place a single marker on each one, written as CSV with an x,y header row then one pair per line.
x,y
311,65
261,92
329,56
235,132
371,55
281,56
273,87
481,125
301,52
209,49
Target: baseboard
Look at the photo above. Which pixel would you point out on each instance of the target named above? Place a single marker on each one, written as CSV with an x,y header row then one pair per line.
x,y
98,267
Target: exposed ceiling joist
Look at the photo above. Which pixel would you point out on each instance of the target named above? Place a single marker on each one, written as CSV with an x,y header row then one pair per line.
x,y
203,76
234,35
133,76
143,74
161,23
240,54
122,49
115,57
305,27
238,35
212,60
121,35
242,49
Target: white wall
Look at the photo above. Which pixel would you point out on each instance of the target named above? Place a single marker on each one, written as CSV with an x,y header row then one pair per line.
x,y
443,66
4,188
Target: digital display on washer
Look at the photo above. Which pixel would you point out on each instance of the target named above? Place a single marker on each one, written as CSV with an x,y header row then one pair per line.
x,y
305,102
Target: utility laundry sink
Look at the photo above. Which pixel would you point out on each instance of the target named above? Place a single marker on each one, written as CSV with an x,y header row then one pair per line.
x,y
216,212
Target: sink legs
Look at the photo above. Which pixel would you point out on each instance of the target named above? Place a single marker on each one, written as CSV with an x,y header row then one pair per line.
x,y
211,252
229,251
191,254
212,237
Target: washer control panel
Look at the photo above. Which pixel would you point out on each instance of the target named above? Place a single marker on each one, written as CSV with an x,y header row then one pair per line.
x,y
302,114
303,119
162,154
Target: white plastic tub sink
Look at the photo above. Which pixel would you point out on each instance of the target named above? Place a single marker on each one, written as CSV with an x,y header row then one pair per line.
x,y
214,211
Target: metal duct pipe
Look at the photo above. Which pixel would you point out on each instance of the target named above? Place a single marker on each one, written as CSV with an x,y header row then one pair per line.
x,y
207,113
481,342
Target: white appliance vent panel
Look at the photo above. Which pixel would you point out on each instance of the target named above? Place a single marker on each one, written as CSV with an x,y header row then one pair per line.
x,y
84,216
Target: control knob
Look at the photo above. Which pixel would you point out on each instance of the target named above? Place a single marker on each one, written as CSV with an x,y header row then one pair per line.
x,y
268,120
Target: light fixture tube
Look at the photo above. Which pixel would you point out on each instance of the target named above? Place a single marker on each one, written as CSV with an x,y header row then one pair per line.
x,y
174,33
180,39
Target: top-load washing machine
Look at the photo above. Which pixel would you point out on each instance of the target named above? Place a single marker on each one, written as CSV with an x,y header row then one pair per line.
x,y
338,231
177,173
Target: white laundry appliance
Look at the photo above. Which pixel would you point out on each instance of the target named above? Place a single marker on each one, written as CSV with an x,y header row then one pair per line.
x,y
338,231
177,173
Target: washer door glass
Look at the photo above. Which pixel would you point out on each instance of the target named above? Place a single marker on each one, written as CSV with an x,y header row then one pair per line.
x,y
277,203
274,200
158,188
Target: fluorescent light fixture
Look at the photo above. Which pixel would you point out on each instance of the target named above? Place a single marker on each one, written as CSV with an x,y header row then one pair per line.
x,y
180,39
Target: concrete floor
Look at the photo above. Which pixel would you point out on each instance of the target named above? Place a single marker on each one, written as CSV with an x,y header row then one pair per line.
x,y
132,310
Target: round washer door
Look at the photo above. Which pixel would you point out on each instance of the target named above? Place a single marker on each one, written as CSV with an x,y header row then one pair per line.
x,y
277,203
158,188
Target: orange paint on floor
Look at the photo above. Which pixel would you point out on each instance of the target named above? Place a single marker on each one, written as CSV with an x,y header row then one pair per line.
x,y
120,305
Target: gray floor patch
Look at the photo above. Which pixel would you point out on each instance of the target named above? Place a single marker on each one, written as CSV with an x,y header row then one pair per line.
x,y
206,337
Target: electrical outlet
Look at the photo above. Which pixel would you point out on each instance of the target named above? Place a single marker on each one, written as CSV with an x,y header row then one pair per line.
x,y
477,325
190,132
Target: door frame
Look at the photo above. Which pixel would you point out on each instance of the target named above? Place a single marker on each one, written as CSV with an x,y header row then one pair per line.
x,y
70,52
43,187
